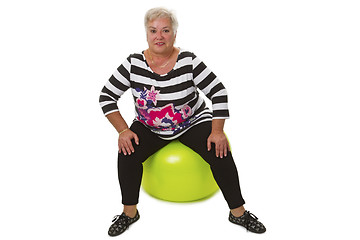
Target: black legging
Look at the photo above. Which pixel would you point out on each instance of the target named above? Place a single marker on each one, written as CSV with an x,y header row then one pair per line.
x,y
130,167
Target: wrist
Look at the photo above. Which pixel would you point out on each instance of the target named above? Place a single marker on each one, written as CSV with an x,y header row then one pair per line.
x,y
217,131
217,125
122,131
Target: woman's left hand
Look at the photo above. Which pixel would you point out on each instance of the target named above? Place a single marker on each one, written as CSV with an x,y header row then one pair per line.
x,y
222,146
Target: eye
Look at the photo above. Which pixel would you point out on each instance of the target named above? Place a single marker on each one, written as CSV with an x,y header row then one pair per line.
x,y
153,31
166,30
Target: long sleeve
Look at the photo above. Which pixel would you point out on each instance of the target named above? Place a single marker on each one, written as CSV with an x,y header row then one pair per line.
x,y
213,89
118,83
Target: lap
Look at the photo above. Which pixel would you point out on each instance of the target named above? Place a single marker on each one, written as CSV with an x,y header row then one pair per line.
x,y
149,143
196,139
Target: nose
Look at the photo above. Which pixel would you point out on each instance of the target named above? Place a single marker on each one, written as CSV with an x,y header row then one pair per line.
x,y
159,35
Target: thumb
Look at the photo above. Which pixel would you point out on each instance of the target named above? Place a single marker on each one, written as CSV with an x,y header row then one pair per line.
x,y
208,144
136,138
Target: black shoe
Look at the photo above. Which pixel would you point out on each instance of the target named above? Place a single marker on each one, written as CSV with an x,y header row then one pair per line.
x,y
121,223
248,221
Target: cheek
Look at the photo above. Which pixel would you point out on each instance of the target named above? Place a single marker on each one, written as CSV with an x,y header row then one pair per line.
x,y
150,37
170,38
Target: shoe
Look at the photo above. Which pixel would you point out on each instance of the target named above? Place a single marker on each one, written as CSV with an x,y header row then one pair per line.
x,y
248,221
121,223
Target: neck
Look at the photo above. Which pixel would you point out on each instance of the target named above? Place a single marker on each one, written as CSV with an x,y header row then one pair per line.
x,y
161,58
161,55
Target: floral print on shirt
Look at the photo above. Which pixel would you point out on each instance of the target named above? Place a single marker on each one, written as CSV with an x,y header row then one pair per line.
x,y
161,118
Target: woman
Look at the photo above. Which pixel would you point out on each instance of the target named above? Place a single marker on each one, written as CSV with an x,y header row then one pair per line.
x,y
164,81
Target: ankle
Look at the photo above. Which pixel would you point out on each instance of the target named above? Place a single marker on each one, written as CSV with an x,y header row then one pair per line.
x,y
130,214
130,211
238,212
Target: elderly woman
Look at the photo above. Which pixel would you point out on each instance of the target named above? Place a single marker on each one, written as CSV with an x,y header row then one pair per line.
x,y
164,80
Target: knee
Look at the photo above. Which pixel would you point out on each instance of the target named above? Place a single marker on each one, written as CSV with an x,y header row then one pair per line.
x,y
126,159
221,162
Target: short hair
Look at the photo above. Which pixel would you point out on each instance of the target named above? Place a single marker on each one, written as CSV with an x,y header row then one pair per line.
x,y
160,12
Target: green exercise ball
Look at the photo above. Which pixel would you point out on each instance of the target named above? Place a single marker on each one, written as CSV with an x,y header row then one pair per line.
x,y
178,174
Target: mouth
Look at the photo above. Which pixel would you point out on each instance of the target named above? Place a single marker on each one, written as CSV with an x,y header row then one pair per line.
x,y
159,43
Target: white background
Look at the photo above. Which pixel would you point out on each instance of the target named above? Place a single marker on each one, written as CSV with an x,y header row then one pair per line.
x,y
292,73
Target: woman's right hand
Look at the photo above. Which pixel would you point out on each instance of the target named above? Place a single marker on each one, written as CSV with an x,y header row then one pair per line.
x,y
125,144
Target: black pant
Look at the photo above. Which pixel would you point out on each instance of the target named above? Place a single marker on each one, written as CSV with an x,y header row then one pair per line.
x,y
130,167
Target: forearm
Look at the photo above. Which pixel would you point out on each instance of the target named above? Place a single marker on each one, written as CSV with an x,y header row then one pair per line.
x,y
218,125
117,121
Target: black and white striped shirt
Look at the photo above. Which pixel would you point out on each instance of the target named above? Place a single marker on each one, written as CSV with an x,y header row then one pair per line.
x,y
167,104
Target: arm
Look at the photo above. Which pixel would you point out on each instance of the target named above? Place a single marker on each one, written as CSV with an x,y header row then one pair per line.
x,y
210,85
125,134
117,121
218,137
118,83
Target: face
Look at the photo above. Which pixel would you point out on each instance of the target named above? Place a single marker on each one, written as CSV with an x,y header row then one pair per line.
x,y
160,36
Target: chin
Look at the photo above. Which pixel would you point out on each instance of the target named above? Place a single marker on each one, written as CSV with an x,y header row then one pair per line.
x,y
161,49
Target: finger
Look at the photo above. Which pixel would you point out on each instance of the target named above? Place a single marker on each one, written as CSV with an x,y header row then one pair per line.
x,y
221,150
124,151
122,148
128,146
217,150
131,147
226,149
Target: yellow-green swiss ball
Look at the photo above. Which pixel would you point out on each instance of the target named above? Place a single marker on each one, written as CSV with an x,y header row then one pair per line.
x,y
178,174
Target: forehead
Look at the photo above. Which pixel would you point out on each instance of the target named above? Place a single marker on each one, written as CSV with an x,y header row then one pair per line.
x,y
160,23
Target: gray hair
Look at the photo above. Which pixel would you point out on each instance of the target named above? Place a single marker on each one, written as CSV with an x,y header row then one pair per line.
x,y
155,13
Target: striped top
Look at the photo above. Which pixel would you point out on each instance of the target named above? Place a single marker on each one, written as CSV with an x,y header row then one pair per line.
x,y
167,104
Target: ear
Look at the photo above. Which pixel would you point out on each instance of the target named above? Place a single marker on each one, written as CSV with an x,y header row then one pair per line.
x,y
175,37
